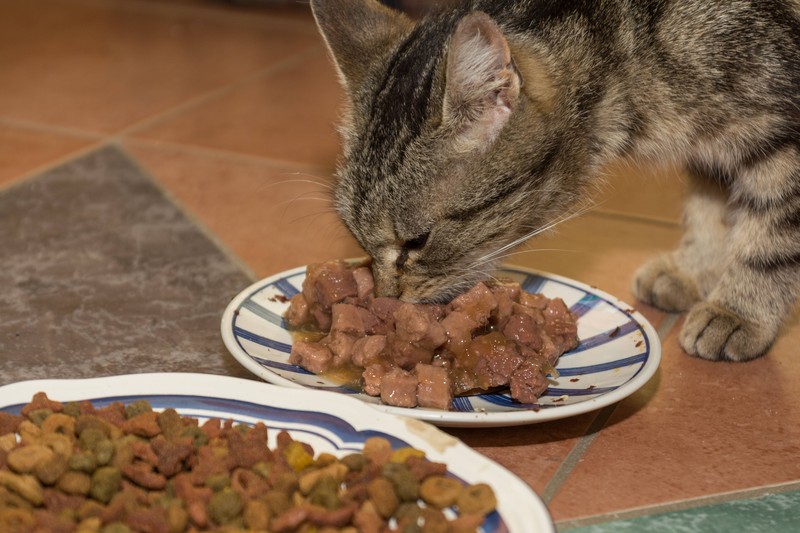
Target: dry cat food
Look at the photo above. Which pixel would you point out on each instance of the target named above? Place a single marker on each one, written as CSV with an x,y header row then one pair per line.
x,y
494,335
74,468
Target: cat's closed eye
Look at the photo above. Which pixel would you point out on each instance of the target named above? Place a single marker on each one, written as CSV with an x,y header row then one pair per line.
x,y
412,244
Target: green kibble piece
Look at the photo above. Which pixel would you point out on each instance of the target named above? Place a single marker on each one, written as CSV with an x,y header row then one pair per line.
x,y
136,408
263,469
218,482
225,506
104,451
83,462
277,501
199,438
116,527
325,493
106,482
37,416
355,462
72,409
89,438
403,480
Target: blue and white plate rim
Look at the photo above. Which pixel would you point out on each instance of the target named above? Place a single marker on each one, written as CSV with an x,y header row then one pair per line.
x,y
643,365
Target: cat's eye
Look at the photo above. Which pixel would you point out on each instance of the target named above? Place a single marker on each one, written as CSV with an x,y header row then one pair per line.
x,y
412,244
417,242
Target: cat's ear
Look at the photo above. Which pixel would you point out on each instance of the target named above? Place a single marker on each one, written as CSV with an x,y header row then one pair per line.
x,y
356,31
482,84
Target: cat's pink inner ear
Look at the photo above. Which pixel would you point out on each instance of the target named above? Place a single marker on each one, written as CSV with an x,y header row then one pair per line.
x,y
482,85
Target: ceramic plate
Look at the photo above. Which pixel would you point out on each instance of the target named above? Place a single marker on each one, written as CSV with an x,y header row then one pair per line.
x,y
329,422
618,352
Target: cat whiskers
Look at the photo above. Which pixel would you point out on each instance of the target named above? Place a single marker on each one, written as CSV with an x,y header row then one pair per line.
x,y
493,256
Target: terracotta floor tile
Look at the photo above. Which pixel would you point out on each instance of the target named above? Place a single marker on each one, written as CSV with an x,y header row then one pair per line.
x,y
708,428
289,115
534,452
643,191
22,150
268,219
100,66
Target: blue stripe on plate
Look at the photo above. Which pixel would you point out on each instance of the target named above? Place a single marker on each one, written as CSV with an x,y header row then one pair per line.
x,y
286,288
585,304
262,312
263,341
504,400
281,366
553,391
593,369
605,337
533,284
461,403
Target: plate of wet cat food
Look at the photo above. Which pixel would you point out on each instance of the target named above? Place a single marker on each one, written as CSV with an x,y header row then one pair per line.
x,y
198,452
520,348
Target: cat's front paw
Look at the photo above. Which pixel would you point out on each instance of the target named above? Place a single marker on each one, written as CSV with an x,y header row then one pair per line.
x,y
714,333
662,284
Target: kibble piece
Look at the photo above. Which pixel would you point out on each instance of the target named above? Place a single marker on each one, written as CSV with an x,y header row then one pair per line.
x,y
23,460
477,499
24,485
383,496
49,470
440,491
136,408
75,483
59,423
225,506
405,484
106,482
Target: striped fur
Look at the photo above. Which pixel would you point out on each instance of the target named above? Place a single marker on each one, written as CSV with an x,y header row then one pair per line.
x,y
480,125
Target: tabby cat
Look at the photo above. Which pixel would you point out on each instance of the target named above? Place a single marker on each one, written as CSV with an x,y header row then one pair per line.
x,y
477,126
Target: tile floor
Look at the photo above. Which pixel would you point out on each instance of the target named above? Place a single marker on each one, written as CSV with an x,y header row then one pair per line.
x,y
156,156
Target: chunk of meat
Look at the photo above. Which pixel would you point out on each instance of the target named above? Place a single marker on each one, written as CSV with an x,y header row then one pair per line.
x,y
399,388
313,356
478,303
433,388
458,327
330,283
365,284
372,376
523,329
528,382
298,313
367,349
351,319
413,324
496,359
560,325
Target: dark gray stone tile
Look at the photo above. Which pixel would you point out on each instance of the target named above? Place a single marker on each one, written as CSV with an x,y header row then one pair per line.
x,y
100,274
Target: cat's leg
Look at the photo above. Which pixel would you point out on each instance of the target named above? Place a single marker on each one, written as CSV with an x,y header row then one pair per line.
x,y
677,280
760,281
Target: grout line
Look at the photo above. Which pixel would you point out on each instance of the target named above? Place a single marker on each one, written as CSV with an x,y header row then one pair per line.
x,y
576,454
682,505
196,222
120,136
215,93
50,128
50,165
219,153
579,450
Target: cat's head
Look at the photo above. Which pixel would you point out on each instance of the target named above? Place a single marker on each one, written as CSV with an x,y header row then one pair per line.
x,y
441,146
